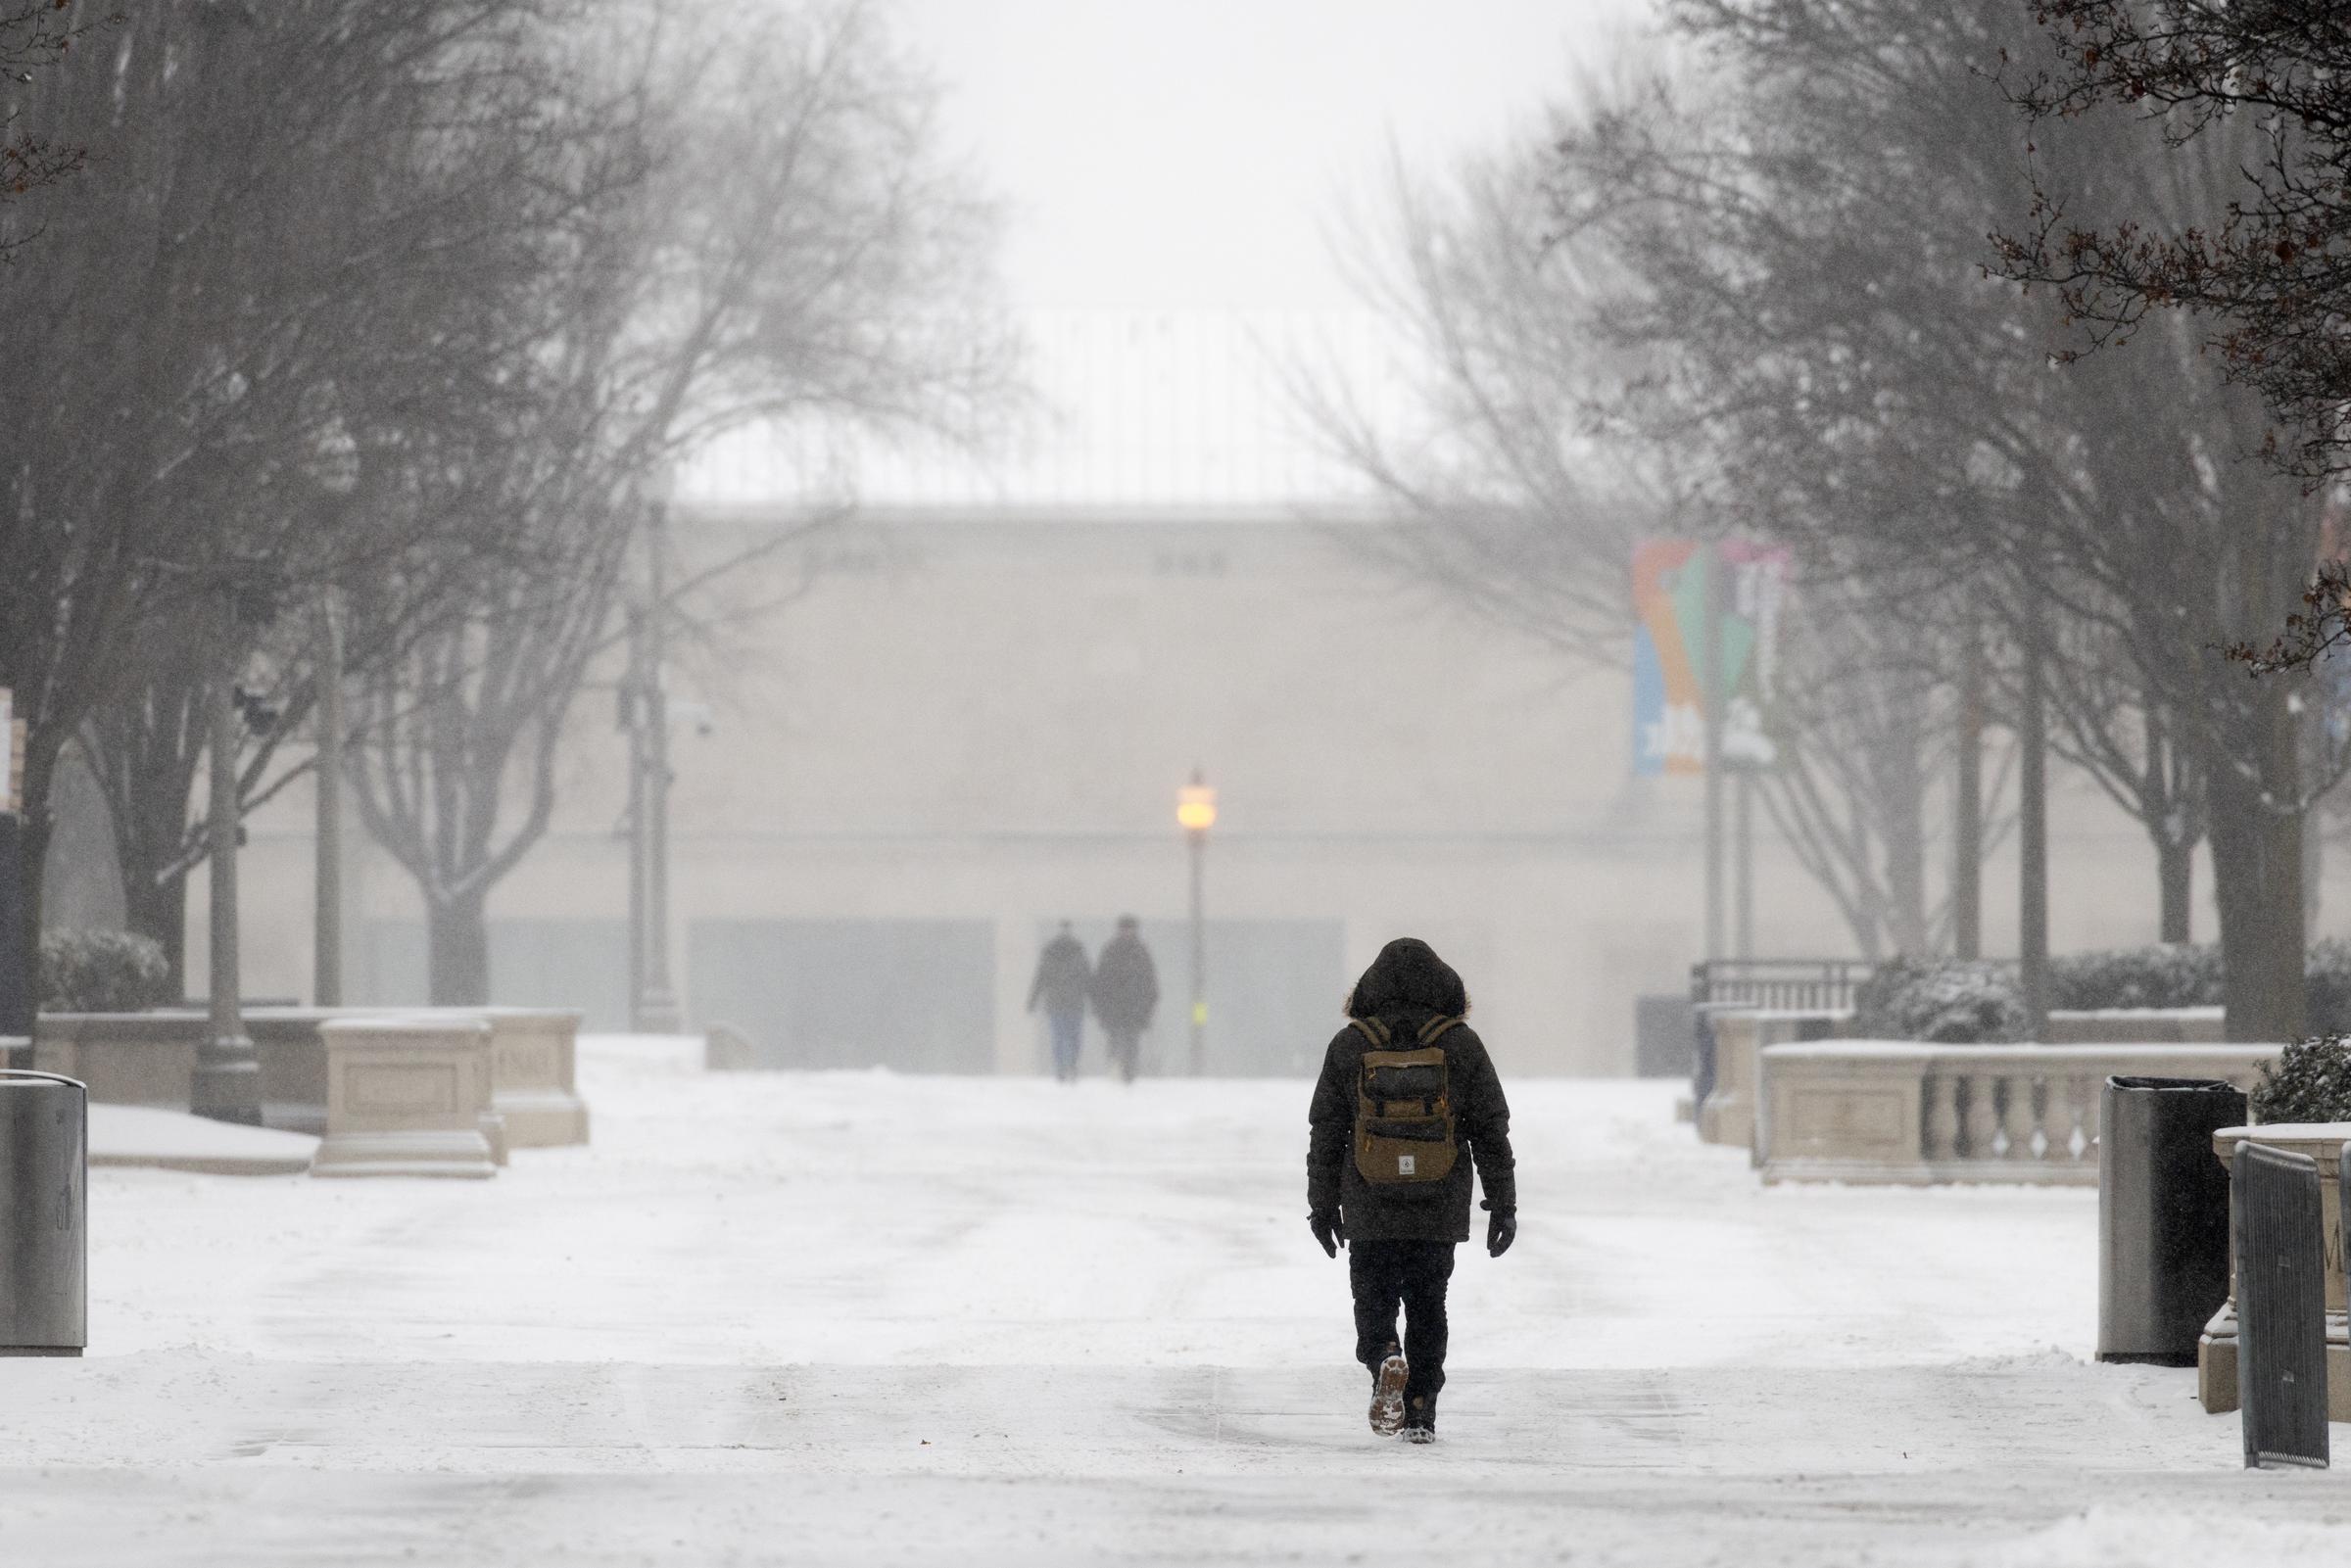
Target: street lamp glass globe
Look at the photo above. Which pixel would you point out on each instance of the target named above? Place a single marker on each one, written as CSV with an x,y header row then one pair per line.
x,y
1196,807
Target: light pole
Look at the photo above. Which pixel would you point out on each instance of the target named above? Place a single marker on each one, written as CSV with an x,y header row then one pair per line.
x,y
227,1082
1196,814
17,982
335,467
327,956
657,1004
632,704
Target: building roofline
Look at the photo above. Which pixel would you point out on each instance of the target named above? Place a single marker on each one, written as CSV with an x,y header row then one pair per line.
x,y
1062,514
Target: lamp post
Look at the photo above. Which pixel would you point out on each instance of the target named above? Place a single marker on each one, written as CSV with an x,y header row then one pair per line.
x,y
335,468
227,1081
18,965
1196,814
656,1003
327,956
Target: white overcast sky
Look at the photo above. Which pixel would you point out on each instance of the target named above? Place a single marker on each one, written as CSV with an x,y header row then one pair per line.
x,y
1183,153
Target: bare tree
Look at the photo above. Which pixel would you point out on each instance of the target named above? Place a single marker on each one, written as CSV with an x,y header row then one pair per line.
x,y
34,35
800,250
1506,495
2264,91
1811,267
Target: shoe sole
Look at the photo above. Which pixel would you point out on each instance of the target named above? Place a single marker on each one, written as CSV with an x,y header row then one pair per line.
x,y
1419,1434
1387,1399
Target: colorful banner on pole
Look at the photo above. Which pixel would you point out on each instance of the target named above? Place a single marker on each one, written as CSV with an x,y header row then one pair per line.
x,y
1671,602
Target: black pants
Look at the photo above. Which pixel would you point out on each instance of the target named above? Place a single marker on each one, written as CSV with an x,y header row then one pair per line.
x,y
1126,1047
1386,1274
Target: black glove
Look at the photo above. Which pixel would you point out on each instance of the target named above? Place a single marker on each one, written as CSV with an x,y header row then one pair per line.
x,y
1329,1231
1500,1232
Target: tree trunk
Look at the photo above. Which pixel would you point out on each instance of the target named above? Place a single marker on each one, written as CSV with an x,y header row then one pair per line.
x,y
2176,882
1967,805
33,862
2257,871
1906,835
2033,829
160,911
458,951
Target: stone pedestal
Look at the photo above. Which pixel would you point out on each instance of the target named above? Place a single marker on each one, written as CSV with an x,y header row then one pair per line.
x,y
405,1097
726,1049
2216,1349
534,1055
1729,1112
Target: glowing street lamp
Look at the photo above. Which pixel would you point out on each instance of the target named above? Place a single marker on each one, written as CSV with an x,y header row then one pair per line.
x,y
1197,805
1196,814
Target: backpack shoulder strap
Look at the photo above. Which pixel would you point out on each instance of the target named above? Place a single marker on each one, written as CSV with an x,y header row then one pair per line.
x,y
1373,1030
1437,1028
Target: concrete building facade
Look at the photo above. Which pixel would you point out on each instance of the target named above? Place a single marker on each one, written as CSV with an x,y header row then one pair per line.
x,y
948,730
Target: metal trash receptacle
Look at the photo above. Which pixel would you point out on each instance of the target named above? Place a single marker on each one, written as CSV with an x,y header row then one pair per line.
x,y
2163,1216
44,1232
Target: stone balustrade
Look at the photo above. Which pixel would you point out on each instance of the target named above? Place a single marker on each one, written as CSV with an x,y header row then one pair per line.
x,y
149,1059
407,1096
1740,1033
1902,1111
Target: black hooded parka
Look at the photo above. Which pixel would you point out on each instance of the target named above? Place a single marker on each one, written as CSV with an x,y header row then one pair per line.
x,y
1405,987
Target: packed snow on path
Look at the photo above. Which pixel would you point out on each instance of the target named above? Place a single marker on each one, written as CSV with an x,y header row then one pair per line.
x,y
860,1317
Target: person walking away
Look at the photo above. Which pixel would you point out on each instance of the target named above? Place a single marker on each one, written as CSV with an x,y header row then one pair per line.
x,y
1126,993
1408,1103
1063,979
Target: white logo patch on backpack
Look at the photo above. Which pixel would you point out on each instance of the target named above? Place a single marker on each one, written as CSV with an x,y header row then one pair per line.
x,y
1404,1165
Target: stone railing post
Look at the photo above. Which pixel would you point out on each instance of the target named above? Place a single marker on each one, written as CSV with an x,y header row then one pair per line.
x,y
405,1097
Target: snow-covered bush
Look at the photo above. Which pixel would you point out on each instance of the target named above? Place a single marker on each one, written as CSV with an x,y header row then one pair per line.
x,y
2326,987
101,972
2170,975
1950,1001
2311,1081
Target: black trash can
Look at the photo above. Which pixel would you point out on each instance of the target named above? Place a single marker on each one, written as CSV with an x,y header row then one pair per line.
x,y
44,1192
2163,1216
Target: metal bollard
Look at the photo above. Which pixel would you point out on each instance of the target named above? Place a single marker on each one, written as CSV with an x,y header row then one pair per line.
x,y
2281,1306
44,1236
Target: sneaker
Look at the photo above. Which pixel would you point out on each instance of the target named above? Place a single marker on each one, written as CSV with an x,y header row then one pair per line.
x,y
1421,1421
1387,1395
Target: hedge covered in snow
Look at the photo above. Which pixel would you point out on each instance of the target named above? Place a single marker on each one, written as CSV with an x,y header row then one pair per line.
x,y
2172,975
1949,1001
1953,1001
101,972
2311,1081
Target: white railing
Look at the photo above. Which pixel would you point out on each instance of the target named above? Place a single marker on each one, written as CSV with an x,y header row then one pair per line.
x,y
1902,1111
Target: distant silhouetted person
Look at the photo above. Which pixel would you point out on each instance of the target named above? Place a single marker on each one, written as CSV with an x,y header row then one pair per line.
x,y
1062,979
1126,994
1407,1102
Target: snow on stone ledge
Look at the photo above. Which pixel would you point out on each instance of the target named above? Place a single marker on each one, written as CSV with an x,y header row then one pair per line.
x,y
173,1140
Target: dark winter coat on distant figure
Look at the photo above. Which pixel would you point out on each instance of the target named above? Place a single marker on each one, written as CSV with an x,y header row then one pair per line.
x,y
1407,986
1126,984
1062,977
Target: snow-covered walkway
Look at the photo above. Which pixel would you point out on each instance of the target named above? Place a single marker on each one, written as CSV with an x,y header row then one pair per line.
x,y
864,1318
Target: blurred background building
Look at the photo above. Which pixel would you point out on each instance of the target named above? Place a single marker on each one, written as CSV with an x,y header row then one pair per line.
x,y
910,741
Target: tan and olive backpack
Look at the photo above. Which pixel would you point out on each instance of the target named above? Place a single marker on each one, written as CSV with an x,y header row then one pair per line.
x,y
1403,1108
